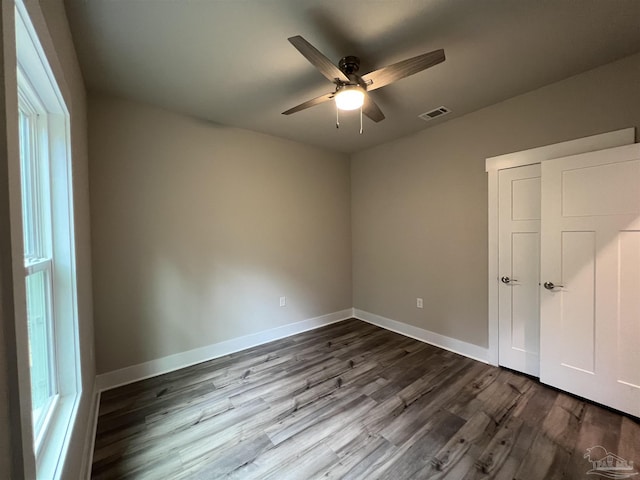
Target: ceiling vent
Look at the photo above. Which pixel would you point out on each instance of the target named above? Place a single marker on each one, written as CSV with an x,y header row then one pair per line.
x,y
435,113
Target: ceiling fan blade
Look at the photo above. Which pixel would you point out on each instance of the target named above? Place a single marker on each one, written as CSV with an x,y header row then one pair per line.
x,y
318,60
392,73
310,103
371,110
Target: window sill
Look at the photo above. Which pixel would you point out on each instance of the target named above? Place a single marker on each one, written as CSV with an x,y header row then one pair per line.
x,y
53,451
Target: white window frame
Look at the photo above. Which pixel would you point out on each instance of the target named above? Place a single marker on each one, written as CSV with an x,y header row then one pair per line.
x,y
38,243
36,80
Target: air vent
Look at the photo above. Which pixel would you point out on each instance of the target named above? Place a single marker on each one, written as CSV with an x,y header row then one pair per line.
x,y
435,113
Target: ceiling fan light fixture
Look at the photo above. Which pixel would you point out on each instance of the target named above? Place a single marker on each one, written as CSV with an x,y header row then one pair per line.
x,y
350,97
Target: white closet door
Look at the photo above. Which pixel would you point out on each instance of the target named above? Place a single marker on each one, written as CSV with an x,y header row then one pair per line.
x,y
590,298
519,268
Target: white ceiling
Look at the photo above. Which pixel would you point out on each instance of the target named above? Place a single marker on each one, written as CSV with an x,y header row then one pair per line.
x,y
229,61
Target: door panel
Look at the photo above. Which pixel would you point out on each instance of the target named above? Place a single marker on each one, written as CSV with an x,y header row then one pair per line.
x,y
525,194
519,259
584,193
628,355
590,249
577,297
524,294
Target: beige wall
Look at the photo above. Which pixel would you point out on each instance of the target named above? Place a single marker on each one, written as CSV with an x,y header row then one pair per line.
x,y
198,229
419,204
50,22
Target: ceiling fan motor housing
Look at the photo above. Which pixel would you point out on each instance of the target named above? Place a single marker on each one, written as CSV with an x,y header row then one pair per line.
x,y
349,65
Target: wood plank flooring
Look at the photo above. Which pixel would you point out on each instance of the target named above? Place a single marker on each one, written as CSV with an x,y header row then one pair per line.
x,y
351,401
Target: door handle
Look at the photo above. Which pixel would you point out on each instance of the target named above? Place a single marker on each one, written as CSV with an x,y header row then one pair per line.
x,y
551,286
507,280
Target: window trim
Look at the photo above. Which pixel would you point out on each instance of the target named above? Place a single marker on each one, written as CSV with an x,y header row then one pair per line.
x,y
33,64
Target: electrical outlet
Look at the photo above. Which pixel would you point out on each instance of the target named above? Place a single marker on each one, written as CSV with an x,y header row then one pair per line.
x,y
283,301
419,302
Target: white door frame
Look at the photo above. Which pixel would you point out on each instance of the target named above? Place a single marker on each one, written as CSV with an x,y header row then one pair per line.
x,y
528,157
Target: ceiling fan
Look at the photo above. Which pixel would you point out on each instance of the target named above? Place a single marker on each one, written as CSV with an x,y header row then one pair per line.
x,y
351,89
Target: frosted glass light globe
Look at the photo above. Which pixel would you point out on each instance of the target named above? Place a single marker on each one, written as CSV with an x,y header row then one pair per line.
x,y
350,97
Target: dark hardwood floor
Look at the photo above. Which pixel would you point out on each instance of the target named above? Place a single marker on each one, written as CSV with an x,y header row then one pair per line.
x,y
354,401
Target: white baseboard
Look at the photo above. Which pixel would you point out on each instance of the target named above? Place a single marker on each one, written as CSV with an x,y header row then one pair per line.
x,y
170,363
90,440
454,345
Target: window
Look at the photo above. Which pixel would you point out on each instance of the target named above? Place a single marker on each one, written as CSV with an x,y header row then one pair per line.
x,y
49,252
38,261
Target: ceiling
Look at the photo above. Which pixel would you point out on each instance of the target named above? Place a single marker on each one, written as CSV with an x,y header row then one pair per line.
x,y
229,61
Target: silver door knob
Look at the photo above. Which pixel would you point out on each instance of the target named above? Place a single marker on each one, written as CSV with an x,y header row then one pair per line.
x,y
507,280
551,285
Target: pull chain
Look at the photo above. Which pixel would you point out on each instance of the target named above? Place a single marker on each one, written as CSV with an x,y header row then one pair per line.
x,y
338,119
